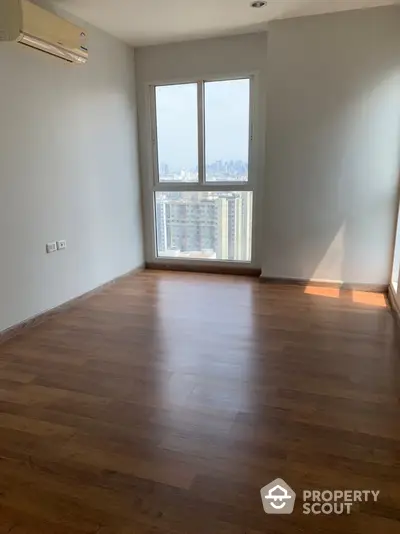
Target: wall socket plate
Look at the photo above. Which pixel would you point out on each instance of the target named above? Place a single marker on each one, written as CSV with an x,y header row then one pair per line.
x,y
62,244
51,247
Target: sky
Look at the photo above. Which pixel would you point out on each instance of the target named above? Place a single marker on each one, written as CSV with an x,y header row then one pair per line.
x,y
226,123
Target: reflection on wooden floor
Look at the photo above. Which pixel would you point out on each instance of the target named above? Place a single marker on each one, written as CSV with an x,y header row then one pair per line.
x,y
164,404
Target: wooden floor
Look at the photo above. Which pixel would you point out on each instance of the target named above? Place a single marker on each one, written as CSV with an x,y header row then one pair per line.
x,y
164,403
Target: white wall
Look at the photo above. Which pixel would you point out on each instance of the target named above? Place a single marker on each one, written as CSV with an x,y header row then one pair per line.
x,y
222,57
68,170
333,107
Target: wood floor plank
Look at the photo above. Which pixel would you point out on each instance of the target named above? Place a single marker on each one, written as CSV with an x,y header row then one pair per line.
x,y
162,405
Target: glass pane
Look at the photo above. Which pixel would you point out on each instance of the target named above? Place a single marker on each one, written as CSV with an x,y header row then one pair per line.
x,y
227,123
208,225
176,110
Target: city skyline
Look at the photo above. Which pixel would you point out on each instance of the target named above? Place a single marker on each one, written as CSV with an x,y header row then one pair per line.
x,y
229,168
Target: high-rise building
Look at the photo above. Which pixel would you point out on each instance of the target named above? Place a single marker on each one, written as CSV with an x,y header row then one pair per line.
x,y
161,227
207,225
234,228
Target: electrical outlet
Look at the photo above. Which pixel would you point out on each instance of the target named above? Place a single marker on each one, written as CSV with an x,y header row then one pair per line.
x,y
61,245
51,247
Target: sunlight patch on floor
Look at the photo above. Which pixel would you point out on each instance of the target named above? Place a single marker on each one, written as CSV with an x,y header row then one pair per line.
x,y
331,292
370,299
376,300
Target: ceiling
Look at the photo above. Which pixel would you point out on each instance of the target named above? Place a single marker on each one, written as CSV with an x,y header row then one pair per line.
x,y
146,22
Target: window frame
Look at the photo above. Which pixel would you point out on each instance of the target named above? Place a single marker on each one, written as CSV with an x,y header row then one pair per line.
x,y
202,184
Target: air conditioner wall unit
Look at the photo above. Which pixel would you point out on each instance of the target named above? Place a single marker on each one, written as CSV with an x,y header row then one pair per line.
x,y
29,24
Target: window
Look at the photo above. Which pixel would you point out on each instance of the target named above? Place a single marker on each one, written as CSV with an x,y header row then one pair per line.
x,y
227,116
203,188
177,133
